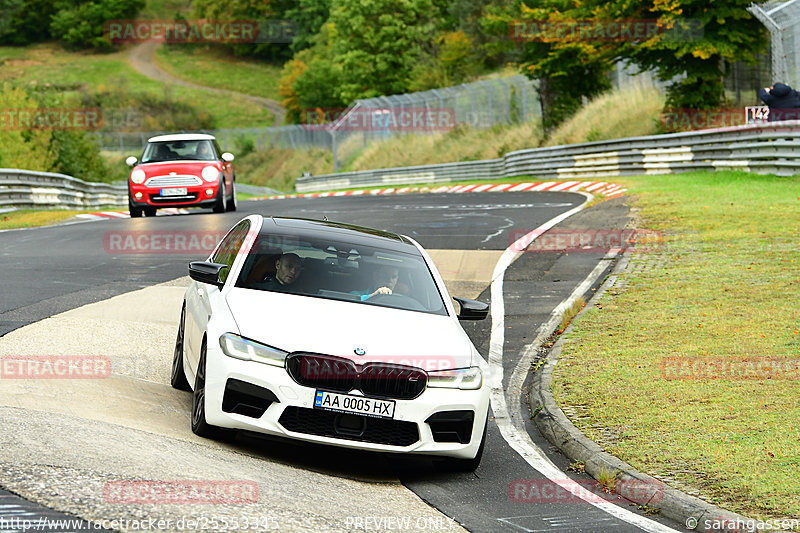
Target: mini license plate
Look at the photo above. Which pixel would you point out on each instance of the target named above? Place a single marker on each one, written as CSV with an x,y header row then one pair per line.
x,y
346,403
178,191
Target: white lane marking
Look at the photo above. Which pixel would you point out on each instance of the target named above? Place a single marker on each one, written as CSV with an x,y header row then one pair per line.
x,y
515,434
509,223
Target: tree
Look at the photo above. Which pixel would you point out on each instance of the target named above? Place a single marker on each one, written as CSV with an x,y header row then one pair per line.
x,y
24,147
569,68
377,42
308,17
81,23
262,11
691,43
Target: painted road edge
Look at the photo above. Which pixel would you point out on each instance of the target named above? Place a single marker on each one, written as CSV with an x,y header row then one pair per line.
x,y
562,433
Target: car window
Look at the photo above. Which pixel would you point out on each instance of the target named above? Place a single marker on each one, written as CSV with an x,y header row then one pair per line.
x,y
229,247
200,150
337,270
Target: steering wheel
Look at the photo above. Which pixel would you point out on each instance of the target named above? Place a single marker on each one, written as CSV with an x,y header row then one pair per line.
x,y
397,300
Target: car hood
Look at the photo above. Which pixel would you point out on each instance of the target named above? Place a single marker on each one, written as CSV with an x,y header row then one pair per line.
x,y
301,323
179,167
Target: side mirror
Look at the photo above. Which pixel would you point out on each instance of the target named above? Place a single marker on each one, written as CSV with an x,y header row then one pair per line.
x,y
207,272
471,309
227,157
131,161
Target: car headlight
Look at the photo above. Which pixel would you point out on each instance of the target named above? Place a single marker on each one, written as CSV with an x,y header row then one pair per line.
x,y
138,176
460,378
240,348
210,173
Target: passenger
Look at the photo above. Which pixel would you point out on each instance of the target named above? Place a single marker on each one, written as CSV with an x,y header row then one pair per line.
x,y
288,268
385,280
203,151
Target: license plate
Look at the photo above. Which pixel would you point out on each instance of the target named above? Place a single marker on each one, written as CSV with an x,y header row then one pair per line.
x,y
346,403
178,191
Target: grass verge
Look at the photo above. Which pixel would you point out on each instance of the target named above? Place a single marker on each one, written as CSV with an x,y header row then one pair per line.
x,y
654,367
212,66
80,74
29,218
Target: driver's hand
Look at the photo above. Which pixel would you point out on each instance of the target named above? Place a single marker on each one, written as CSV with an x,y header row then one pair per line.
x,y
382,290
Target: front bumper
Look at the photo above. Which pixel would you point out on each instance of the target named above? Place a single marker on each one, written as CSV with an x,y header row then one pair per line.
x,y
196,196
290,413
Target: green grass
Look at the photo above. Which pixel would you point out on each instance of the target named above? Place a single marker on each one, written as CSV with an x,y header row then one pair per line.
x,y
71,73
609,117
724,284
28,218
208,65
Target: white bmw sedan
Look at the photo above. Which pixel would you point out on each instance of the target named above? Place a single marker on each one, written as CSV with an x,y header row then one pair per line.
x,y
334,334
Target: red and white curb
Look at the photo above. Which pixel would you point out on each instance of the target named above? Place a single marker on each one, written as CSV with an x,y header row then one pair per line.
x,y
105,215
602,188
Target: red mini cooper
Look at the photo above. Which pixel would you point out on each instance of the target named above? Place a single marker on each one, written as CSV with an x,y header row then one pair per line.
x,y
181,170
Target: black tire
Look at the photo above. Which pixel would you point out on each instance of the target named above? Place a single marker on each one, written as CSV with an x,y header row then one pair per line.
x,y
150,211
232,203
219,206
135,212
453,464
178,376
199,425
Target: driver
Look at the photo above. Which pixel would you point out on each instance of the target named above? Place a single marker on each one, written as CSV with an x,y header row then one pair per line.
x,y
203,151
384,282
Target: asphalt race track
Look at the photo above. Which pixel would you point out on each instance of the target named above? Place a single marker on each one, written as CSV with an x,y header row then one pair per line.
x,y
63,442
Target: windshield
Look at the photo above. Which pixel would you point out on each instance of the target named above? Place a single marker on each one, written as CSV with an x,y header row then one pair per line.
x,y
179,150
356,273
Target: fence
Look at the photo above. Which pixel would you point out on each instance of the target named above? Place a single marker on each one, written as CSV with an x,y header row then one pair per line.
x,y
761,148
480,104
782,19
28,188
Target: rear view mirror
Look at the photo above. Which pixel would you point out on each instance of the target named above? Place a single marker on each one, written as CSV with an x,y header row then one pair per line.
x,y
227,156
131,161
471,309
205,272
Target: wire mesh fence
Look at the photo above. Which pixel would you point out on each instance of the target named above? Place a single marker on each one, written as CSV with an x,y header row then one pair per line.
x,y
479,104
782,19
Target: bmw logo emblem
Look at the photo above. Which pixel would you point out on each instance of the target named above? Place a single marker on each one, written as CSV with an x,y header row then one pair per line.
x,y
360,351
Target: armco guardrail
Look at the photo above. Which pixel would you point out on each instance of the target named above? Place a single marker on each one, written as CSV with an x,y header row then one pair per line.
x,y
762,148
29,188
